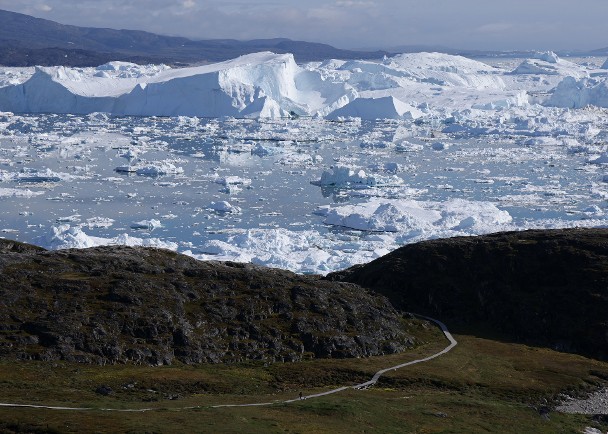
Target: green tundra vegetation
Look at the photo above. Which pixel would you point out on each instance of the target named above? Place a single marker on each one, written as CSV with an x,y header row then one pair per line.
x,y
111,329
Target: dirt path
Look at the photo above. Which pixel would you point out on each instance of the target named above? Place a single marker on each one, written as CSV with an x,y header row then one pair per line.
x,y
365,385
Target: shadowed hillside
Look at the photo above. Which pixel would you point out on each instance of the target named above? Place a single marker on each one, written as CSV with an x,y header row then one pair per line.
x,y
150,306
541,287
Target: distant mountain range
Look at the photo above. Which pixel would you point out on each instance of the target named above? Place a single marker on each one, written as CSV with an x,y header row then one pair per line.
x,y
600,52
29,41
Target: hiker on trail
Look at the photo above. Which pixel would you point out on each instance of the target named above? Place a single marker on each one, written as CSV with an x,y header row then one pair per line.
x,y
300,395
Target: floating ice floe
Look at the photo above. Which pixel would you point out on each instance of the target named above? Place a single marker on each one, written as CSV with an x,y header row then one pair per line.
x,y
224,207
73,237
233,180
34,178
390,167
18,192
397,216
305,251
159,169
130,154
549,64
413,218
594,211
99,222
69,219
440,146
602,159
265,150
149,225
351,177
405,146
233,184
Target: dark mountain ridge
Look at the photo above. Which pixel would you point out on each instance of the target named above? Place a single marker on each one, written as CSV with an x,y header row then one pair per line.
x,y
19,32
151,306
121,304
543,287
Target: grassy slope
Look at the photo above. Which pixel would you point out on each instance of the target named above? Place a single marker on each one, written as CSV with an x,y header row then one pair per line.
x,y
481,386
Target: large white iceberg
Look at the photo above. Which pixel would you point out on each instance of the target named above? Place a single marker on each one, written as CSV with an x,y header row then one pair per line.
x,y
265,85
255,85
387,107
414,218
573,93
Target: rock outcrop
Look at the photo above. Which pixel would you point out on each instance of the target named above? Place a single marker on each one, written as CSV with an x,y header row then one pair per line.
x,y
547,287
151,306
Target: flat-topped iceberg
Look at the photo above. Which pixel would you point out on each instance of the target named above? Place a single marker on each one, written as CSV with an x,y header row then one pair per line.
x,y
255,85
268,85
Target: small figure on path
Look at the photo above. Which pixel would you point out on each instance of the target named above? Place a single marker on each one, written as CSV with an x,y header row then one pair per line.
x,y
301,395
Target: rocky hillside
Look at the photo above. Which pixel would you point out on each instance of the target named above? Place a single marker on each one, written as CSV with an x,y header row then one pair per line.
x,y
540,287
150,306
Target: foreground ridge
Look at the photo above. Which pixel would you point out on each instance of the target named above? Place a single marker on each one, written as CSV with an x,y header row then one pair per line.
x,y
361,386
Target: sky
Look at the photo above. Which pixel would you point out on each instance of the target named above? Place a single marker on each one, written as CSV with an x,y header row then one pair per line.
x,y
460,24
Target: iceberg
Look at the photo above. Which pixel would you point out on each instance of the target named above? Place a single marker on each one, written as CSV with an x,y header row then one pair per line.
x,y
255,85
73,237
416,218
266,85
573,93
377,108
350,177
224,207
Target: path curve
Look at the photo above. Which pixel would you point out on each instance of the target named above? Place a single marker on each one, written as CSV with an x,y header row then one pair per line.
x,y
361,386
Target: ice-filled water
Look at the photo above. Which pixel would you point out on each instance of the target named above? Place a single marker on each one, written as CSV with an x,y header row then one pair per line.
x,y
488,149
250,190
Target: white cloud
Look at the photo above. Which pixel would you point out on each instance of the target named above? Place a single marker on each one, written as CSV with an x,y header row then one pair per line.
x,y
355,3
495,28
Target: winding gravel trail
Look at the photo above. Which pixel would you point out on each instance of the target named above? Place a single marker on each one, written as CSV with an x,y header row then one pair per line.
x,y
365,385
